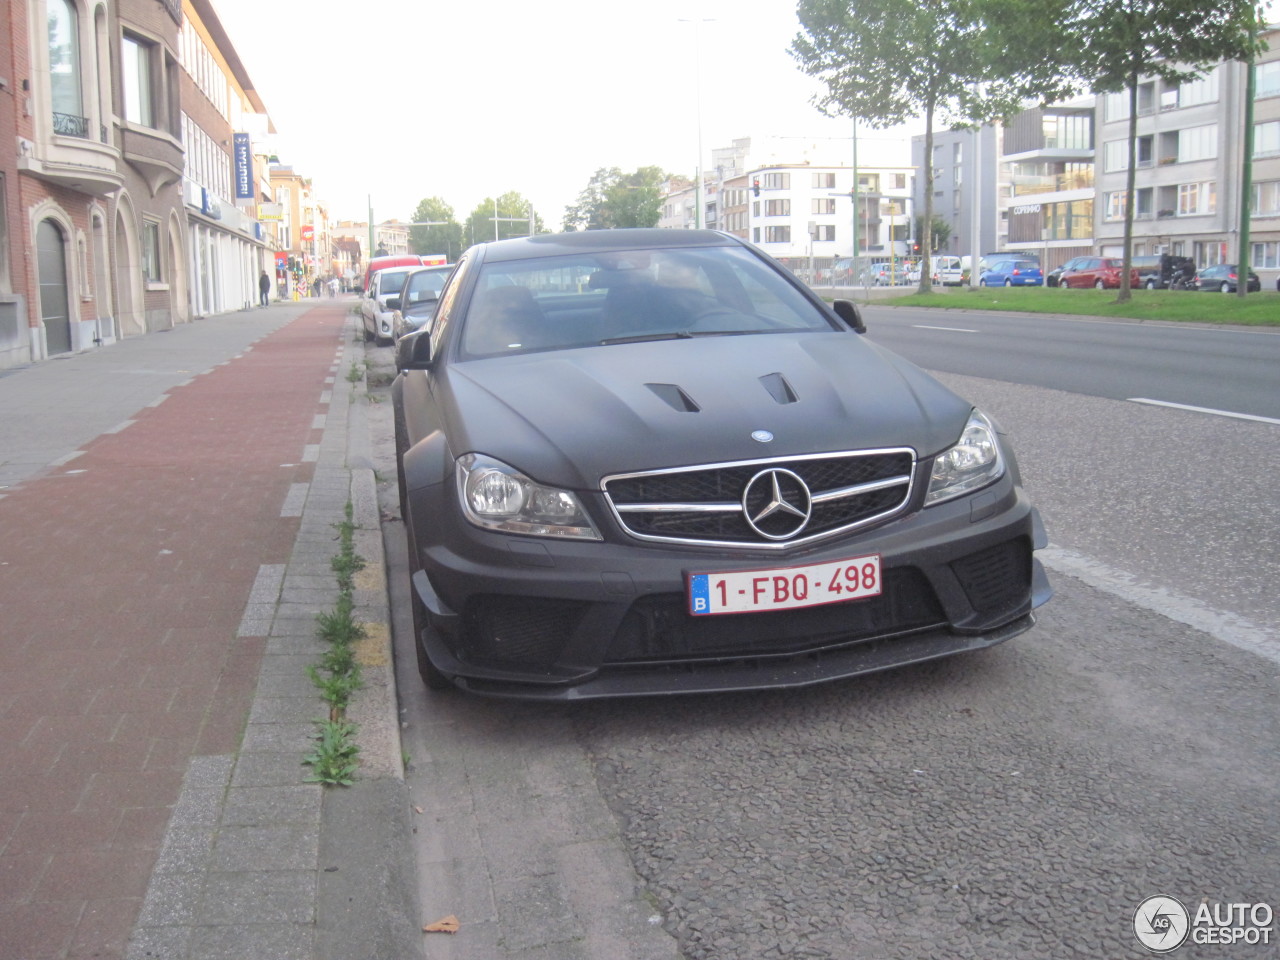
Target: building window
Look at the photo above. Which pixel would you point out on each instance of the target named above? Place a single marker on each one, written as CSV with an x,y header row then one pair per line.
x,y
824,231
899,181
139,93
868,183
1266,78
824,181
1266,139
1197,199
824,205
1266,256
1115,155
1116,106
755,234
1116,203
1198,143
1266,198
777,208
64,70
151,251
777,234
775,181
4,240
1203,90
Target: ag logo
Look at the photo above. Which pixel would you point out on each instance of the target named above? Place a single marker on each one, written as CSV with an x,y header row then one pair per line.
x,y
1161,924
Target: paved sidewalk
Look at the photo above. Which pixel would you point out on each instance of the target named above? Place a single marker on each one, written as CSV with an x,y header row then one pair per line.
x,y
167,517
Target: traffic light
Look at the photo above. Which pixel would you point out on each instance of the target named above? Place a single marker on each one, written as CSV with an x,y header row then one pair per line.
x,y
755,186
915,247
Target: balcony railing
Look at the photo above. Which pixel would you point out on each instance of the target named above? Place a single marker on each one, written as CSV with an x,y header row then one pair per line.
x,y
69,125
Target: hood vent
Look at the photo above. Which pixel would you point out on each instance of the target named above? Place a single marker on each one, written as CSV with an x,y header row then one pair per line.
x,y
674,397
778,388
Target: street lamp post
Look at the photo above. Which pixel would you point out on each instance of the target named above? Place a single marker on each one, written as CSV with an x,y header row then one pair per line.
x,y
697,86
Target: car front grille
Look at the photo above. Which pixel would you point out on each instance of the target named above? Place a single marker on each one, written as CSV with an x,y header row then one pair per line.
x,y
729,504
659,627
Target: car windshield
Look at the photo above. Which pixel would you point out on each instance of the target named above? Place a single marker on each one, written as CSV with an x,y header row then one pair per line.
x,y
615,297
392,281
425,285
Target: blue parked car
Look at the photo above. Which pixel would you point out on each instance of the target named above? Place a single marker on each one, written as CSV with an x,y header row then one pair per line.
x,y
1012,273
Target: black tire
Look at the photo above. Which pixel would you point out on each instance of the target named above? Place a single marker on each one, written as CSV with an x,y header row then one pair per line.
x,y
364,330
982,283
1151,284
1225,288
1008,282
1099,285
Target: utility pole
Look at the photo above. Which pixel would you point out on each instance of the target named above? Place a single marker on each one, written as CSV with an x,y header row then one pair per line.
x,y
1246,180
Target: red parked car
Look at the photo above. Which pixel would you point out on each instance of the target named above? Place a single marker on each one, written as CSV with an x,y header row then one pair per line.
x,y
1102,273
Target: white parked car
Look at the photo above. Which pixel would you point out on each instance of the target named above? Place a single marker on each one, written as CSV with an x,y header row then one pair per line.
x,y
377,316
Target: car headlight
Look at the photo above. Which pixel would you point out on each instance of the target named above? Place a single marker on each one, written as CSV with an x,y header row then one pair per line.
x,y
972,463
498,497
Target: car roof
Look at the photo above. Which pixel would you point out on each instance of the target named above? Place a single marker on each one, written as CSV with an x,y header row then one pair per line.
x,y
585,241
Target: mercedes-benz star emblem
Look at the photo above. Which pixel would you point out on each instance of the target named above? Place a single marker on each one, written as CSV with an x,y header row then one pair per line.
x,y
761,436
777,504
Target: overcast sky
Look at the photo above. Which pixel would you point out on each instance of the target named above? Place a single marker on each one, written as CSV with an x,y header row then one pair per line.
x,y
405,99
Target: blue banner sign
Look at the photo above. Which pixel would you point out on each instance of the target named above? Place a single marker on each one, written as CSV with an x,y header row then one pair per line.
x,y
244,167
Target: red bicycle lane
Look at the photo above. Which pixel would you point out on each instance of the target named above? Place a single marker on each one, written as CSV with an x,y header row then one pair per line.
x,y
124,575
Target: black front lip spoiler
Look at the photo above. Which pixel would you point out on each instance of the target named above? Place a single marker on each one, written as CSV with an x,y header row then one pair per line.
x,y
742,675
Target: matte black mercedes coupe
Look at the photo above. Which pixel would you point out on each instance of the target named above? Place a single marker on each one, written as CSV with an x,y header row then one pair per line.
x,y
653,462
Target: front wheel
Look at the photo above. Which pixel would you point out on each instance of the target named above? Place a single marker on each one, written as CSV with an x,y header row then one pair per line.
x,y
1226,287
1099,285
1151,284
1008,283
982,283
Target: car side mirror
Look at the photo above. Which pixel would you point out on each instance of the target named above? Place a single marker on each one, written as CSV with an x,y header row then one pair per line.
x,y
413,351
393,303
848,311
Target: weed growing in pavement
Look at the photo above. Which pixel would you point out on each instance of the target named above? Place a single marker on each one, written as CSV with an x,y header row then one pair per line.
x,y
354,374
335,754
337,676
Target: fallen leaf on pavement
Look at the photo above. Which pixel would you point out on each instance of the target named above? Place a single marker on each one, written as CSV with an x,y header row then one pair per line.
x,y
448,925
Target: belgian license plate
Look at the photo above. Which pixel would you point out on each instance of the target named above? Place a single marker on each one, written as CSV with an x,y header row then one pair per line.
x,y
784,588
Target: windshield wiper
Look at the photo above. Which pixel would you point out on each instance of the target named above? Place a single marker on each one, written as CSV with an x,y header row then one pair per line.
x,y
646,337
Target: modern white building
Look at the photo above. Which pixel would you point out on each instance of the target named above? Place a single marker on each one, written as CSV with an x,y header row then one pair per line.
x,y
795,201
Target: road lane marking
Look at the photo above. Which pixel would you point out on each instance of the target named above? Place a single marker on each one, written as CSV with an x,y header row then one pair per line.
x,y
1220,624
1210,410
925,326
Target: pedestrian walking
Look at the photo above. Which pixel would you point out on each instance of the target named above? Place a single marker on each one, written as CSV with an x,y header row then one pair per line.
x,y
264,288
333,286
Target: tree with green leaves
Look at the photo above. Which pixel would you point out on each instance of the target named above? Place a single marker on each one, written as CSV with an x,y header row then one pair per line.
x,y
507,216
588,212
939,231
444,236
613,199
1114,44
954,61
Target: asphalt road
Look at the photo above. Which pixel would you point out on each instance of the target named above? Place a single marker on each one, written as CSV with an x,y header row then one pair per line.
x,y
1015,803
1234,369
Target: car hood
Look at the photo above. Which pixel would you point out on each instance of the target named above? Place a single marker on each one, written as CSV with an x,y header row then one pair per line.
x,y
571,417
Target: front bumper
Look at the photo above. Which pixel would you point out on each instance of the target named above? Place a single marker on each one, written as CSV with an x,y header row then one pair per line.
x,y
550,620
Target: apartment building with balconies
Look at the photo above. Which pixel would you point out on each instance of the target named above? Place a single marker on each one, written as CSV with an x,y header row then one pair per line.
x,y
1046,194
1189,160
